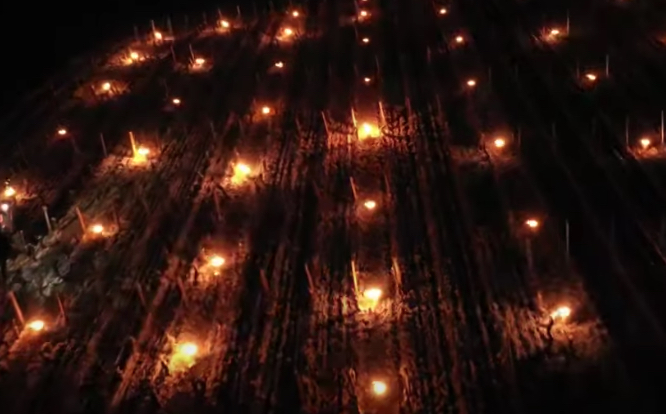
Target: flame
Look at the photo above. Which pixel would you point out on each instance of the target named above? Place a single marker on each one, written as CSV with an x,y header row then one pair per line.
x,y
141,155
36,325
443,10
370,204
295,13
134,56
364,13
368,130
4,207
379,387
241,172
562,313
369,299
499,143
9,192
554,32
158,35
266,110
62,131
460,39
532,223
176,101
106,86
97,229
645,142
365,40
224,24
217,261
591,77
184,356
471,83
367,80
279,64
288,32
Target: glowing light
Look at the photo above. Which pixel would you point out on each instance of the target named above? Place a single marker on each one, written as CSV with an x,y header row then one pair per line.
x,y
97,229
471,83
224,24
143,151
158,35
36,325
591,77
295,13
367,80
288,32
217,261
368,130
379,387
106,86
554,32
645,142
443,10
369,299
199,61
370,204
532,223
241,172
365,40
499,143
188,349
279,64
62,132
562,313
134,56
4,207
266,110
176,101
364,13
9,192
141,155
460,39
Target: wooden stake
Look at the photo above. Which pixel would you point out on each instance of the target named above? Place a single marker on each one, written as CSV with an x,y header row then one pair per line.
x,y
264,281
310,282
101,139
17,308
49,226
132,143
82,221
397,274
142,298
354,277
218,211
191,51
353,187
61,307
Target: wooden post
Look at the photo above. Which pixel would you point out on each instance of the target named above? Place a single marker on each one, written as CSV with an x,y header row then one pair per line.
x,y
173,54
354,277
661,128
607,65
568,22
169,26
132,143
566,238
49,226
353,187
142,298
397,274
264,281
101,139
238,13
218,211
17,308
323,117
191,51
82,221
61,308
310,282
152,25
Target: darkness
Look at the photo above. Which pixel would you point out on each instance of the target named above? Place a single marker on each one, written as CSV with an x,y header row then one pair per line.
x,y
40,38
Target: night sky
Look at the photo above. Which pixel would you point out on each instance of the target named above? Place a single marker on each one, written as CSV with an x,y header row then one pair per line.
x,y
42,37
